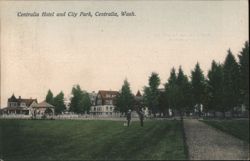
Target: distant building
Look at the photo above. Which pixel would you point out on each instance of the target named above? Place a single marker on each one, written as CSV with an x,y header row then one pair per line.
x,y
19,105
92,97
43,108
67,101
104,103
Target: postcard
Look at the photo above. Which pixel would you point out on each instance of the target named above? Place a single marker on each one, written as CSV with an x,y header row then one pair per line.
x,y
124,80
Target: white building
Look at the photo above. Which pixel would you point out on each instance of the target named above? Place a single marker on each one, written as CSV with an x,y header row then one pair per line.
x,y
104,103
19,106
92,97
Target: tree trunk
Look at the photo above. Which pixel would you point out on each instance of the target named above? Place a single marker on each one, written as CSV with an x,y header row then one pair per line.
x,y
224,114
181,112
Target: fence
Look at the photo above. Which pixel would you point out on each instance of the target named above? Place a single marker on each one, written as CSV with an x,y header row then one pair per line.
x,y
79,117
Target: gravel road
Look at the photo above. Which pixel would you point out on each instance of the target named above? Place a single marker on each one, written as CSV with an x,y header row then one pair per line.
x,y
207,143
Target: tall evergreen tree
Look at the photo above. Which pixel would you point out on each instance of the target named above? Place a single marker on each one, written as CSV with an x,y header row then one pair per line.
x,y
49,97
231,90
125,99
171,90
215,87
198,86
244,74
151,93
184,91
59,103
173,77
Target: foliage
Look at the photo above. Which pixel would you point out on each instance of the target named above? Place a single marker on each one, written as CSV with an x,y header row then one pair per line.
x,y
125,99
178,91
244,74
215,87
231,80
184,94
80,101
171,90
152,94
163,103
59,103
49,97
198,85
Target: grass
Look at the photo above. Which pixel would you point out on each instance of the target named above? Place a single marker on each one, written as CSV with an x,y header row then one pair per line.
x,y
90,140
237,128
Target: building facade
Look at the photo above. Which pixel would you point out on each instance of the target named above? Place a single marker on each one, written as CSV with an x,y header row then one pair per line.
x,y
19,105
43,108
104,103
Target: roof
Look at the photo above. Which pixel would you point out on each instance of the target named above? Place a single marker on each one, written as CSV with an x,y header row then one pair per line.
x,y
104,94
19,100
28,102
15,108
44,104
138,94
12,98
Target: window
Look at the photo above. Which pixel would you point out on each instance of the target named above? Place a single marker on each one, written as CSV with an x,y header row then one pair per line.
x,y
23,104
13,104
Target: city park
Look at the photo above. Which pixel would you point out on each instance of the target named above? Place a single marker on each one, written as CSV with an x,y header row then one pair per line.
x,y
209,120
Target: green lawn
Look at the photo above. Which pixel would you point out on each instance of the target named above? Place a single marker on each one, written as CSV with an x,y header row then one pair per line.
x,y
75,139
237,128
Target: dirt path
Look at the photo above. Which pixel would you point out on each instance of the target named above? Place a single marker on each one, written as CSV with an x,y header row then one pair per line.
x,y
205,143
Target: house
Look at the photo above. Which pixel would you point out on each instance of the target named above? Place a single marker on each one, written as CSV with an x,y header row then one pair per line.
x,y
43,108
104,103
92,97
19,105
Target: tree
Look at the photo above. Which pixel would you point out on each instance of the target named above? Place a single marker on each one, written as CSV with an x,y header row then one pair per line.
x,y
198,86
231,80
244,74
147,96
171,90
151,93
125,99
59,103
178,91
49,98
163,103
86,102
80,101
215,87
184,100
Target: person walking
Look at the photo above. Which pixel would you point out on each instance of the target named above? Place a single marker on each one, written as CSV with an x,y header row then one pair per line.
x,y
141,117
129,117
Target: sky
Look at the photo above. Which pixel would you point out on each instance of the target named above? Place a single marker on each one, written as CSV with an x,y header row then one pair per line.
x,y
98,53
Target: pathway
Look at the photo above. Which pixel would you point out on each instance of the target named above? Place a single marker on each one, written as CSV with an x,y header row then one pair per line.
x,y
207,143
